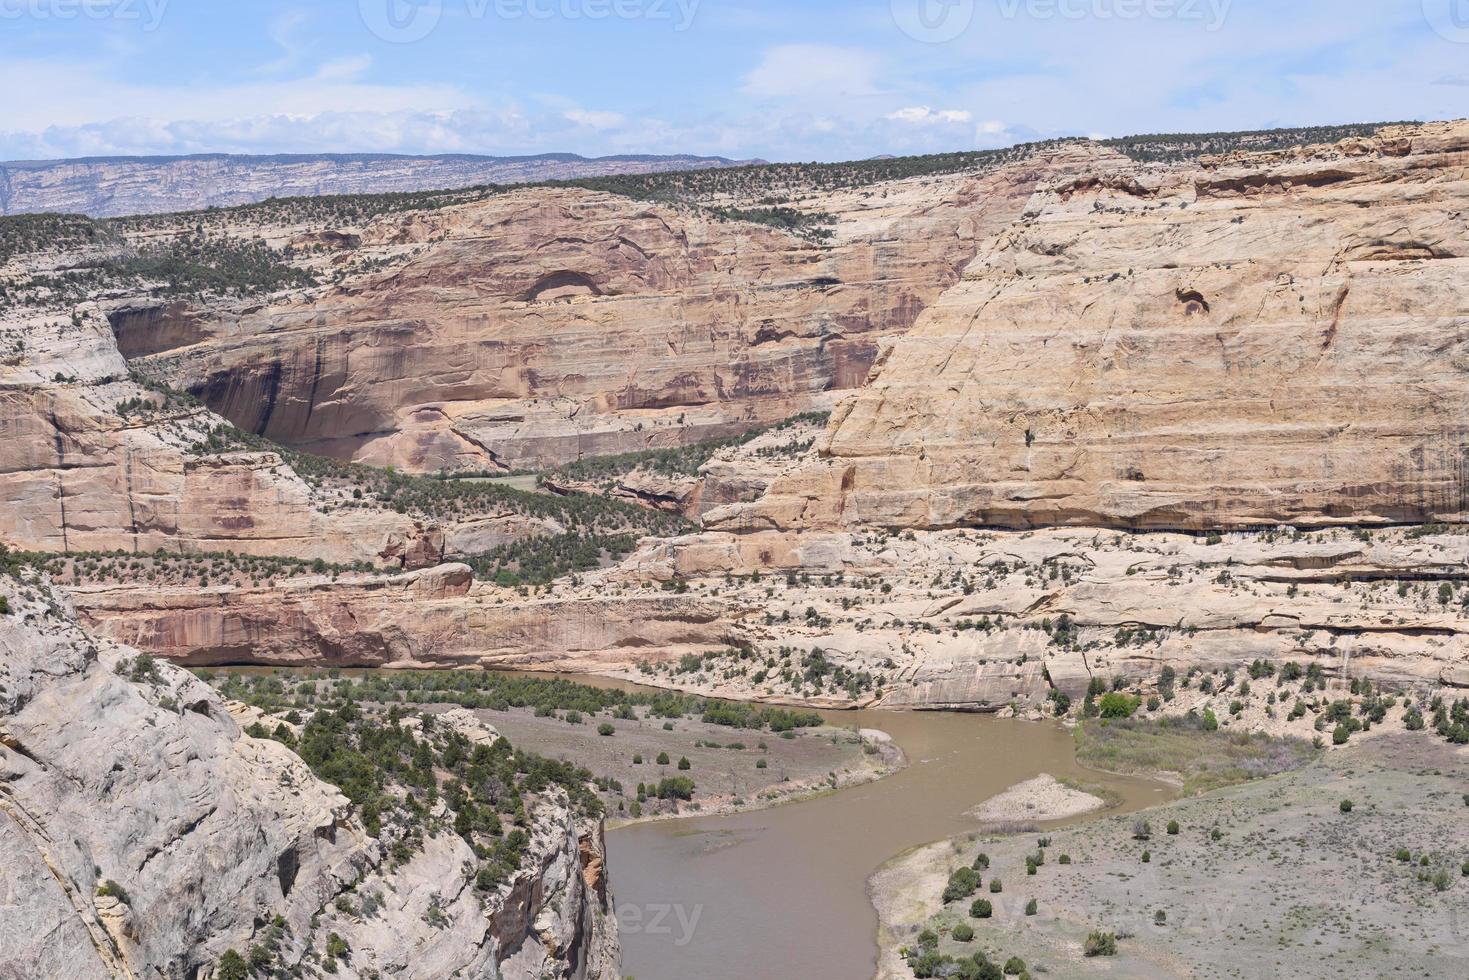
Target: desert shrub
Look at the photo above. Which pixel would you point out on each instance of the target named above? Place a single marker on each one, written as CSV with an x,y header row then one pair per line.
x,y
1100,944
1173,828
1117,705
981,862
995,886
1031,907
231,966
1346,806
962,883
676,788
605,729
684,765
981,908
962,933
1160,918
1014,966
112,889
662,759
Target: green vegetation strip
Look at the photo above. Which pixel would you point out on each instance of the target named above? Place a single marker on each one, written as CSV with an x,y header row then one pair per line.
x,y
1203,758
280,691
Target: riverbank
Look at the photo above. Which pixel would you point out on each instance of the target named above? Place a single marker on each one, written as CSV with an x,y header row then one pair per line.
x,y
1274,857
783,892
732,770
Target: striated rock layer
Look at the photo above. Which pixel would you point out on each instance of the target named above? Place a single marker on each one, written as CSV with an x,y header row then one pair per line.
x,y
952,619
143,834
542,325
1259,339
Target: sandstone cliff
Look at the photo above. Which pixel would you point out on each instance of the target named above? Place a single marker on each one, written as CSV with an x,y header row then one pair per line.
x,y
542,325
145,834
1251,340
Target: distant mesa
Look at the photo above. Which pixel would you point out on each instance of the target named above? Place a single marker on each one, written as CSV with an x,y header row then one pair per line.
x,y
109,187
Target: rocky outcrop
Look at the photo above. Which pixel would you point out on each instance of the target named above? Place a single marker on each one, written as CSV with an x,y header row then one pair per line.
x,y
432,618
539,326
955,619
77,476
145,834
145,185
1258,339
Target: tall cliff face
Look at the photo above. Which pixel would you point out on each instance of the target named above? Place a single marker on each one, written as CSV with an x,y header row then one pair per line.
x,y
539,326
1255,340
144,834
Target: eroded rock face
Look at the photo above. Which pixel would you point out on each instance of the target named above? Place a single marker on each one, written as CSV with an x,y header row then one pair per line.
x,y
77,476
1260,339
540,326
144,834
959,619
432,618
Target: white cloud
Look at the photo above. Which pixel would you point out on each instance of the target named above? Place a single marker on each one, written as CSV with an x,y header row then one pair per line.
x,y
595,120
922,115
813,72
81,100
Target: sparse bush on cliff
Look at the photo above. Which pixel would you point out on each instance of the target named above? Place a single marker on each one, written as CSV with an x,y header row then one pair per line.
x,y
232,966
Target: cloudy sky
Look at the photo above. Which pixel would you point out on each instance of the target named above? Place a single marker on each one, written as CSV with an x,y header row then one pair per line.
x,y
779,79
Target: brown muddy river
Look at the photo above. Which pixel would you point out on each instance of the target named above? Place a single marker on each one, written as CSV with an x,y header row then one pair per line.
x,y
782,892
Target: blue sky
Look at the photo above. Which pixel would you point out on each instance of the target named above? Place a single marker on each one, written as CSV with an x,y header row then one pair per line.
x,y
794,80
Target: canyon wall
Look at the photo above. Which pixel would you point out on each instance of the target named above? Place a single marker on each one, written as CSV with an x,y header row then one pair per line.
x,y
144,833
543,325
1257,339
